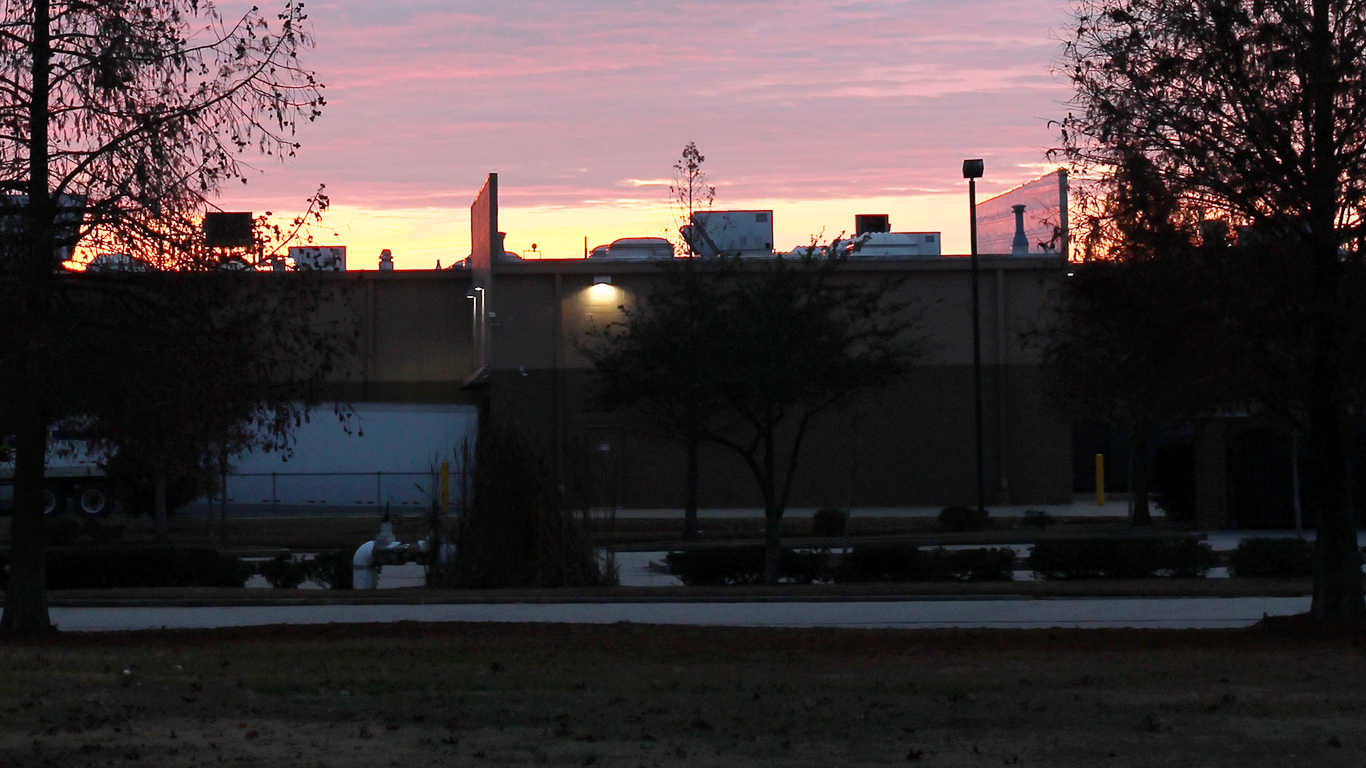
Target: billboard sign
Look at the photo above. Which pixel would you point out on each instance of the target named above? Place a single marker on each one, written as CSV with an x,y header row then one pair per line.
x,y
485,247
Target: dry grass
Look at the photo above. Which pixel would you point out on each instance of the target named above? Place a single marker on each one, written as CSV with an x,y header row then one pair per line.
x,y
631,695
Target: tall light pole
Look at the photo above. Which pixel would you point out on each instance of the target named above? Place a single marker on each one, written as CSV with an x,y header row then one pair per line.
x,y
972,171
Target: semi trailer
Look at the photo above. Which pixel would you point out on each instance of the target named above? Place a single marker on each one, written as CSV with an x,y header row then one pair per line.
x,y
384,456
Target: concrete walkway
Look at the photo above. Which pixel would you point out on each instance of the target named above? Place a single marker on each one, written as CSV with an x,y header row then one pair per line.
x,y
1154,613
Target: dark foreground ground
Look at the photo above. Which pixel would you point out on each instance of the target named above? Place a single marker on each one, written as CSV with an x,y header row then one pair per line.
x,y
633,695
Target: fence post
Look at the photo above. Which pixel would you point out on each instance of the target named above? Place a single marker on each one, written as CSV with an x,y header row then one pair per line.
x,y
445,488
1100,479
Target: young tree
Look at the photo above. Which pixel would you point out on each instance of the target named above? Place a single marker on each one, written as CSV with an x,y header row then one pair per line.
x,y
116,117
659,358
1251,110
690,194
670,338
779,342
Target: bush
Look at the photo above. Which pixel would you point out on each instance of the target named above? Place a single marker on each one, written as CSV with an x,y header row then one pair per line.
x,y
906,562
1272,557
519,529
332,569
717,565
1118,558
1037,518
964,519
59,531
86,568
284,572
830,522
1173,480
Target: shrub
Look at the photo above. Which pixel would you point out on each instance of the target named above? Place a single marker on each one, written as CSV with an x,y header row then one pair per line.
x,y
518,529
1037,518
60,531
85,568
1120,558
829,522
332,569
1272,557
1174,480
907,562
959,518
716,565
284,572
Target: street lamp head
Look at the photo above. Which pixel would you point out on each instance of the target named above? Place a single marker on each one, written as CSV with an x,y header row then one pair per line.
x,y
972,169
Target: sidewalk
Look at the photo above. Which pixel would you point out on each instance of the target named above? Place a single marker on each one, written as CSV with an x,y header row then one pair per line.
x,y
1078,508
1016,613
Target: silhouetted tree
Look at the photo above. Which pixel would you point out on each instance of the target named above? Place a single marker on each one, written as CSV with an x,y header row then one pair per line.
x,y
746,354
689,194
1129,343
120,120
1253,111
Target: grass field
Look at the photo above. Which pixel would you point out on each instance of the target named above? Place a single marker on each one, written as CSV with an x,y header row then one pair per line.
x,y
633,695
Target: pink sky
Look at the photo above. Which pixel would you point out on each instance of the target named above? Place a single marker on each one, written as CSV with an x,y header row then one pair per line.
x,y
818,110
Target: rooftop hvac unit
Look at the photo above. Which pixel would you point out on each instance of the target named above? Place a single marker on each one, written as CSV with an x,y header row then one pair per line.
x,y
321,258
733,233
639,248
872,222
897,245
224,229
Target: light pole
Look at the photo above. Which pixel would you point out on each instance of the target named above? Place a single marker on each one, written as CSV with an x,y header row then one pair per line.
x,y
972,171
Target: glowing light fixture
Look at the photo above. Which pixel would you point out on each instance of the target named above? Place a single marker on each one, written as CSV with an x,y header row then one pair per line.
x,y
602,279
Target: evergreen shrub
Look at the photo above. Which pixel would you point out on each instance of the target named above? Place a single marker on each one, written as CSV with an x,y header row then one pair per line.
x,y
1272,557
1120,558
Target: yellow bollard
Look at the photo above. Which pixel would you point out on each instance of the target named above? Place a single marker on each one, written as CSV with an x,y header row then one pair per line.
x,y
445,487
1100,479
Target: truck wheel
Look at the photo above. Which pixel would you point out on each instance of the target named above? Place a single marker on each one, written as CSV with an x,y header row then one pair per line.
x,y
94,500
54,499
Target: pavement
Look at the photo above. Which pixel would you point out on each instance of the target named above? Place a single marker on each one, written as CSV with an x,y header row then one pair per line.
x,y
1015,613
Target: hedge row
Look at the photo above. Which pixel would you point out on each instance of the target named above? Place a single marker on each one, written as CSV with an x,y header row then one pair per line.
x,y
1121,558
108,567
330,569
903,562
697,566
1272,557
717,565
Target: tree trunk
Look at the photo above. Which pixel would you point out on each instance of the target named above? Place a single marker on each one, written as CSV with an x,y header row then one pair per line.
x,y
159,513
1337,566
690,493
26,597
1138,477
773,529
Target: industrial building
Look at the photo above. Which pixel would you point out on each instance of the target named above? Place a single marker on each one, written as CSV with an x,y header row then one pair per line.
x,y
505,333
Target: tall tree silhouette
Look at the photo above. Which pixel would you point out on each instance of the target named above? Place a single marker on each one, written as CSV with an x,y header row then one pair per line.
x,y
1253,111
118,119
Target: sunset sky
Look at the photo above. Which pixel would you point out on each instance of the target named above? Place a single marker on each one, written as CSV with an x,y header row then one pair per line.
x,y
817,110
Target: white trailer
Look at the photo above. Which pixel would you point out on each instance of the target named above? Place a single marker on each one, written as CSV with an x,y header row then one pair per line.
x,y
72,473
384,457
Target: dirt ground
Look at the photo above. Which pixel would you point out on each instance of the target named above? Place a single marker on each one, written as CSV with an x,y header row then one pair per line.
x,y
633,695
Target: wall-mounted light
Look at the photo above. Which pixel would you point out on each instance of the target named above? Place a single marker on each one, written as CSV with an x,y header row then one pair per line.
x,y
602,279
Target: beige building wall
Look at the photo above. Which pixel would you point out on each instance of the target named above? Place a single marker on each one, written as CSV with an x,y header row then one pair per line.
x,y
910,444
